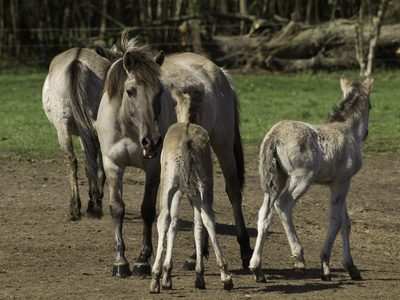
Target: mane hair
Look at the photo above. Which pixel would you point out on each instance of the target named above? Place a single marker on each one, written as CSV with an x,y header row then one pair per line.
x,y
145,70
351,104
101,48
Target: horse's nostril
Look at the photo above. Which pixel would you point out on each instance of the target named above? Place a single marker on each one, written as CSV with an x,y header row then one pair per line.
x,y
159,142
146,143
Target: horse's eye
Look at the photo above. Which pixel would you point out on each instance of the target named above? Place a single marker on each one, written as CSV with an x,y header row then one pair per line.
x,y
131,92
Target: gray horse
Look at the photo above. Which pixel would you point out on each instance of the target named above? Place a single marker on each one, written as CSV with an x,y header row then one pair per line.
x,y
71,96
134,115
328,154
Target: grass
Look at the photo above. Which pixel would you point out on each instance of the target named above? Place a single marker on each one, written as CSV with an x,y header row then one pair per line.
x,y
265,100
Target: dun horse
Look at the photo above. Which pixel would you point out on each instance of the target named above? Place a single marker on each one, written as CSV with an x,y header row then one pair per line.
x,y
135,113
329,154
187,167
71,95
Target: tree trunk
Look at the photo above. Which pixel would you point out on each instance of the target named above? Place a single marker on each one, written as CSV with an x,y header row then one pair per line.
x,y
376,27
360,38
103,20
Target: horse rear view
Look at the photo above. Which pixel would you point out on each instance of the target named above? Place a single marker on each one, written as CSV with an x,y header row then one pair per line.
x,y
71,95
329,154
187,167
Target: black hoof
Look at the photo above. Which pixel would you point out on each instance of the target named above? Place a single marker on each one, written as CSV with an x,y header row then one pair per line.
x,y
122,271
189,265
359,278
326,278
141,269
228,286
246,260
300,271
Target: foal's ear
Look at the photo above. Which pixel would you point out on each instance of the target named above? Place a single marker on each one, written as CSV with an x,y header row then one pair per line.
x,y
128,62
368,83
160,58
344,85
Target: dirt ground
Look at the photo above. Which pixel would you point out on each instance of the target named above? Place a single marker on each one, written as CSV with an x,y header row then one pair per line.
x,y
44,256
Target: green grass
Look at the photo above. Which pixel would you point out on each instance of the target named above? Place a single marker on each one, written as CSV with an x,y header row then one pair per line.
x,y
265,100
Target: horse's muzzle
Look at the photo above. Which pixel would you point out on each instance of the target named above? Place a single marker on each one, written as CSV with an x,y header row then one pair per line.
x,y
150,148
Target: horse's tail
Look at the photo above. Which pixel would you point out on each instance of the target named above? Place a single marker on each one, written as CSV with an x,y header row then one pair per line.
x,y
77,77
188,166
237,144
271,175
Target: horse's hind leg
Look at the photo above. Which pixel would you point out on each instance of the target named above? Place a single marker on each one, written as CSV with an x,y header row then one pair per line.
x,y
208,218
284,206
339,220
228,165
71,163
264,220
198,237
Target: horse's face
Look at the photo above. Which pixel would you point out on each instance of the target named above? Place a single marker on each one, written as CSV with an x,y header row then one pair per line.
x,y
142,101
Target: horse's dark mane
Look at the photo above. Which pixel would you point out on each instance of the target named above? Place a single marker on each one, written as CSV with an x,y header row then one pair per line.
x,y
145,70
101,48
196,93
349,105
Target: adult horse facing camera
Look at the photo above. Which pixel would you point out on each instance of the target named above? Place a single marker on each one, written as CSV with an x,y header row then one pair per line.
x,y
135,113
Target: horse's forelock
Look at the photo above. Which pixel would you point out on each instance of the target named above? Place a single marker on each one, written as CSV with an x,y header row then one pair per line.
x,y
145,70
115,80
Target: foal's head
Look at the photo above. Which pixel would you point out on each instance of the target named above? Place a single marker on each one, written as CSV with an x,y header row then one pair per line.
x,y
134,82
189,103
356,104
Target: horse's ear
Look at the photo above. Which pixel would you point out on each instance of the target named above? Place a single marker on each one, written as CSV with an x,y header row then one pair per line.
x,y
128,62
368,83
114,48
344,85
160,58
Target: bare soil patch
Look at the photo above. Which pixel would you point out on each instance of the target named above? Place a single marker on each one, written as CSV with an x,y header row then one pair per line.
x,y
44,256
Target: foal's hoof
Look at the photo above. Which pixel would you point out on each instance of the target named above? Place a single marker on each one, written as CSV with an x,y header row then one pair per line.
x,y
122,271
94,211
354,273
258,275
200,283
141,269
155,286
189,265
300,271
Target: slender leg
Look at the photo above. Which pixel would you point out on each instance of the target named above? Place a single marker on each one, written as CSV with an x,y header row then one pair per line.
x,y
148,211
117,209
71,163
284,206
176,196
208,218
232,188
339,220
198,237
264,221
163,225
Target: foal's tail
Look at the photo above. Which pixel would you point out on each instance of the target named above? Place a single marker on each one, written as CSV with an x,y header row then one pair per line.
x,y
272,177
192,169
77,76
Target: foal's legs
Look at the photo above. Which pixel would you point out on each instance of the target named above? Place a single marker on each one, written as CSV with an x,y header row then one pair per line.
x,y
71,163
208,218
264,220
163,225
339,220
298,185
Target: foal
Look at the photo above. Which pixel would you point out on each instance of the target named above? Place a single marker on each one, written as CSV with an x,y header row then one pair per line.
x,y
187,167
329,154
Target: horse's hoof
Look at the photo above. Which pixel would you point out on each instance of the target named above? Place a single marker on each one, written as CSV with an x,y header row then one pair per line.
x,y
359,278
246,260
228,285
258,275
155,286
122,271
74,218
354,273
200,283
141,269
189,265
326,277
300,271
